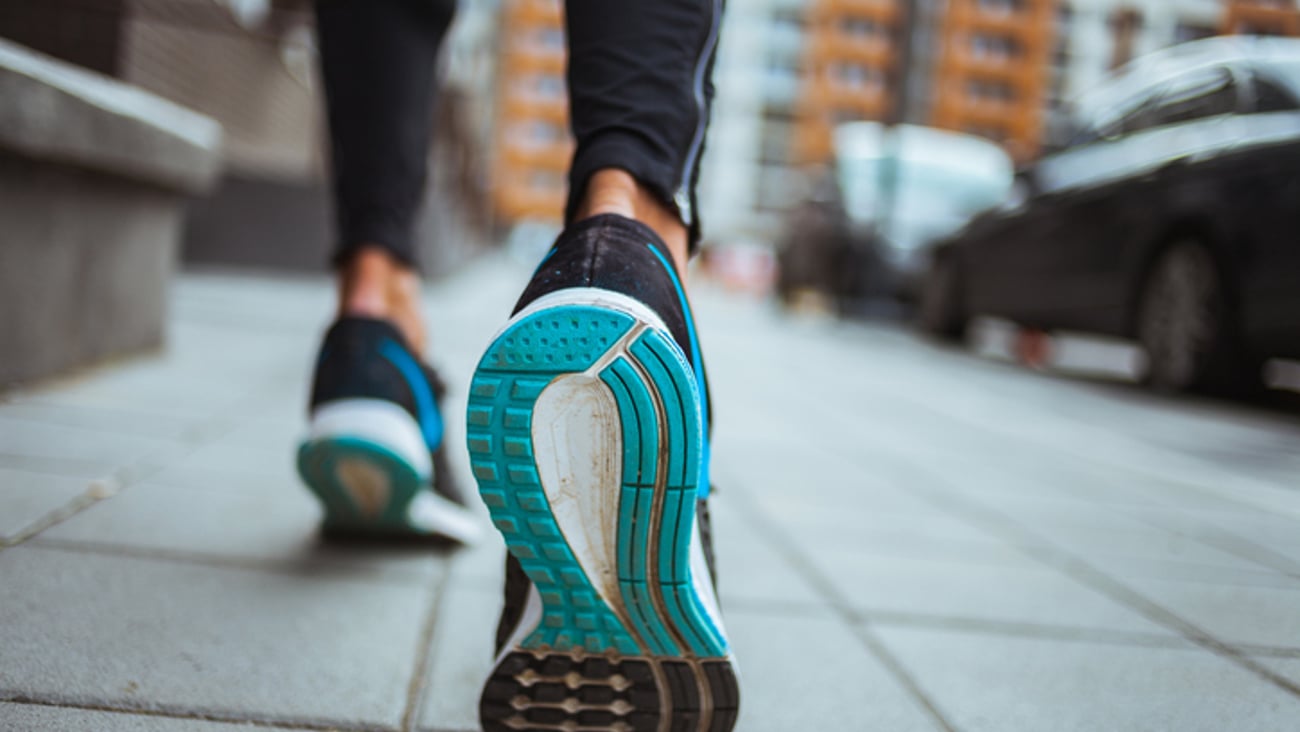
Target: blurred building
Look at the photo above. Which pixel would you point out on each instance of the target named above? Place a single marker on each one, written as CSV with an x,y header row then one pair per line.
x,y
993,70
533,145
979,66
850,60
1263,17
1096,36
745,176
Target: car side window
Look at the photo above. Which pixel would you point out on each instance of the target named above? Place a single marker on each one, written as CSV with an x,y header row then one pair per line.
x,y
1197,96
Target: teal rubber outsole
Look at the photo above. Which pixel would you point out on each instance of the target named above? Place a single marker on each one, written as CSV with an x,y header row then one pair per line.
x,y
659,613
319,464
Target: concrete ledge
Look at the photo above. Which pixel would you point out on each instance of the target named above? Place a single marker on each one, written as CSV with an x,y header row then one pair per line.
x,y
94,180
53,111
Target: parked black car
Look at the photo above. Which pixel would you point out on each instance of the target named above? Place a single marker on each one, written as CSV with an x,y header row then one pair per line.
x,y
1172,218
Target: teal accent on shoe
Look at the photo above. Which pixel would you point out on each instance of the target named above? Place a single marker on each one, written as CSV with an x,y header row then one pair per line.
x,y
659,613
697,366
323,465
503,393
426,404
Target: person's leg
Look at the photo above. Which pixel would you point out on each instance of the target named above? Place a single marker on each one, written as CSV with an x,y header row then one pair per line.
x,y
378,61
588,414
640,87
374,447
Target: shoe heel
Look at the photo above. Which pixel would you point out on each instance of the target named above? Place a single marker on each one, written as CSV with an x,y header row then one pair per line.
x,y
366,461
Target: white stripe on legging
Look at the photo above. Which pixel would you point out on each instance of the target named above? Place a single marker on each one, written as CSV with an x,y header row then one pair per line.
x,y
701,67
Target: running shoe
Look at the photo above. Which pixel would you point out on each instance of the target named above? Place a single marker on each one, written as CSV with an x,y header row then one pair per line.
x,y
587,432
374,451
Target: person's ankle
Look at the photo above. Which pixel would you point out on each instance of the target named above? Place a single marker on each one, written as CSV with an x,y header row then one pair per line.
x,y
374,284
615,191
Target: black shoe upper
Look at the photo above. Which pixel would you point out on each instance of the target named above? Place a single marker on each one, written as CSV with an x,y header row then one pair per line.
x,y
368,358
623,255
613,252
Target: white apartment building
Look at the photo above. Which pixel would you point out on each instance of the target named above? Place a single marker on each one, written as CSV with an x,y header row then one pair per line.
x,y
1090,31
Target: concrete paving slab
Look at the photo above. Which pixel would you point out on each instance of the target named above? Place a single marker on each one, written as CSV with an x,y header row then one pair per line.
x,y
814,673
231,468
135,633
1142,543
27,497
1253,575
1001,683
751,570
1007,592
152,385
1265,616
105,419
461,657
39,718
100,451
1288,667
280,528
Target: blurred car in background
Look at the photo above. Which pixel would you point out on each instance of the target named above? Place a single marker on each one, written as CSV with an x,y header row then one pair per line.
x,y
1171,218
863,231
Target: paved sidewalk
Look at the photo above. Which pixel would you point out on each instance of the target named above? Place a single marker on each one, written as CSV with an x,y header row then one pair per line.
x,y
909,539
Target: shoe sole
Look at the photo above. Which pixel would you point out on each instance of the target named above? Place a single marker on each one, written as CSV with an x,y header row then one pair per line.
x,y
364,486
643,653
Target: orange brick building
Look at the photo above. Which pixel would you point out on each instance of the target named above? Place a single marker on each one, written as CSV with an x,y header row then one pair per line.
x,y
533,144
1262,17
994,70
850,70
991,70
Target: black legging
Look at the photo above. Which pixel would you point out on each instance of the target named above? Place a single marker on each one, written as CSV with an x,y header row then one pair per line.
x,y
639,89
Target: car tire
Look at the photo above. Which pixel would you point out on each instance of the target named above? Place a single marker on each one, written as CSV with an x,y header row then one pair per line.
x,y
1185,324
940,311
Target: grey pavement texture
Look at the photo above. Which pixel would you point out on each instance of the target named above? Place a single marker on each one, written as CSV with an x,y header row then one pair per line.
x,y
910,538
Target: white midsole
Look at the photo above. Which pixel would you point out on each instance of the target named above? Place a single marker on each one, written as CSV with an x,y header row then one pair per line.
x,y
374,420
430,511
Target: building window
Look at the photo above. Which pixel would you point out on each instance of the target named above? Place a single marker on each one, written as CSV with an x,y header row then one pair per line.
x,y
1000,7
856,76
981,91
991,47
862,28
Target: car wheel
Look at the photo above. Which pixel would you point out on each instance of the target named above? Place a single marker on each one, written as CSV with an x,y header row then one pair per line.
x,y
1184,324
940,312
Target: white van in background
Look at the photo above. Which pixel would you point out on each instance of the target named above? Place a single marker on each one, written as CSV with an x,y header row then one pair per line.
x,y
940,181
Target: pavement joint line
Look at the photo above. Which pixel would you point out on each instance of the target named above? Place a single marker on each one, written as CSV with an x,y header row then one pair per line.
x,y
842,609
1184,478
173,556
136,471
1049,554
770,609
179,713
97,489
421,674
983,626
1239,546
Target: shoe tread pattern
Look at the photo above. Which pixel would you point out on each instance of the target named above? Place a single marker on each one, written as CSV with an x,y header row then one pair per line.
x,y
532,692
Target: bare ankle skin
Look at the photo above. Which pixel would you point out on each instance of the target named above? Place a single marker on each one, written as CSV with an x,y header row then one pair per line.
x,y
615,191
373,284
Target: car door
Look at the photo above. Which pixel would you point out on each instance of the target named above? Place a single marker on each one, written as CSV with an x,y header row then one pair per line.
x,y
1266,234
1094,191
